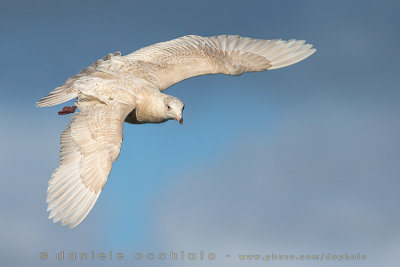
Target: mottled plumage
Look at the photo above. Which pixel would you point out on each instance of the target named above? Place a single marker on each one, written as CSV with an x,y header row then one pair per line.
x,y
129,88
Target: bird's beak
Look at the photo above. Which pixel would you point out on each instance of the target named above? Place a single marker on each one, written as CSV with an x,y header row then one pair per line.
x,y
181,121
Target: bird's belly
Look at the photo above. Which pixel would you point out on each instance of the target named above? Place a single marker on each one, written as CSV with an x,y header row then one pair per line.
x,y
133,119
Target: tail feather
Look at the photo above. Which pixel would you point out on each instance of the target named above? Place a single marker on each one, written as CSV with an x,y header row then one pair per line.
x,y
57,96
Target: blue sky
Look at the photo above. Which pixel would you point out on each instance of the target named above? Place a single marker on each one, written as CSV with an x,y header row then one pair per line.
x,y
299,160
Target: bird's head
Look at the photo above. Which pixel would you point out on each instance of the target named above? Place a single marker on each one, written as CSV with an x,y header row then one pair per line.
x,y
173,108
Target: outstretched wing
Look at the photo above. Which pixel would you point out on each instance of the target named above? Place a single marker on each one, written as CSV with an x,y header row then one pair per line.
x,y
192,55
89,146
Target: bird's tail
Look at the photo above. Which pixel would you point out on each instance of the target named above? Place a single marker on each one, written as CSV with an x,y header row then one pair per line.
x,y
59,95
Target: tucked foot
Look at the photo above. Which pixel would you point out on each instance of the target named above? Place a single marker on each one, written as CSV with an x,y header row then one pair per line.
x,y
67,110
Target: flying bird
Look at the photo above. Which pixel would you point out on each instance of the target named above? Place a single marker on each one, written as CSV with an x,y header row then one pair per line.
x,y
118,89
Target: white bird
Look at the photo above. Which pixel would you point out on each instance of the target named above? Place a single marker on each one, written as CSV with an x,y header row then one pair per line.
x,y
129,88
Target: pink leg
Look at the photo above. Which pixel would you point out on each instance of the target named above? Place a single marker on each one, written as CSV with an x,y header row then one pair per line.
x,y
67,110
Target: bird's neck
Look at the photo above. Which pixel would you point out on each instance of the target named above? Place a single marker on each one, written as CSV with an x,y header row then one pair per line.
x,y
151,109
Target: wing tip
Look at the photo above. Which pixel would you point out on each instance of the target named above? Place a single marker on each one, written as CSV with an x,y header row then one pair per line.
x,y
300,53
74,213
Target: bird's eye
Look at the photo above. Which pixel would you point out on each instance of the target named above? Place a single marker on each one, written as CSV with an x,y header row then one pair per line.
x,y
168,107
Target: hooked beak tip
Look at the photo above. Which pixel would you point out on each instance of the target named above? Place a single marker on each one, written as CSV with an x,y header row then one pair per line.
x,y
181,121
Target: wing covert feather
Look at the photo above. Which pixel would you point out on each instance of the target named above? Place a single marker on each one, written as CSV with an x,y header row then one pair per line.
x,y
189,56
